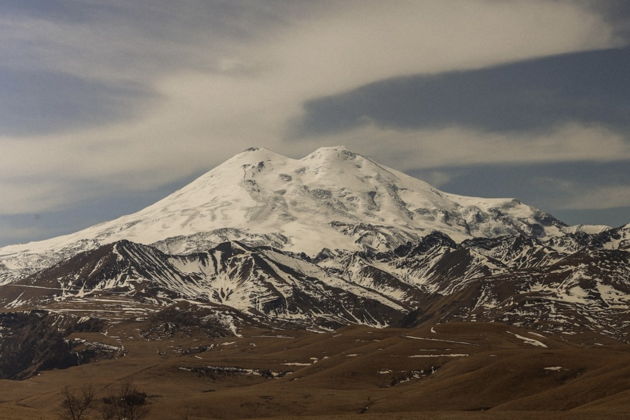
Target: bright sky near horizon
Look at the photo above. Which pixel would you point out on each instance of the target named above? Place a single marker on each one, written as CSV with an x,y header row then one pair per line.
x,y
107,106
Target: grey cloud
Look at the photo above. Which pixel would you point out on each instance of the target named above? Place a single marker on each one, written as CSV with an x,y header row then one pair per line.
x,y
615,11
586,87
71,64
41,102
617,216
555,187
61,10
92,205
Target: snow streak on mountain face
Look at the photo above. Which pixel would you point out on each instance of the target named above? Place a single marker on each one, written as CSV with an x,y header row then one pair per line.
x,y
332,198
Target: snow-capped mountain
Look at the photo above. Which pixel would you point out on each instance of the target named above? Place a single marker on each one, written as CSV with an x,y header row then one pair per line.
x,y
328,240
332,198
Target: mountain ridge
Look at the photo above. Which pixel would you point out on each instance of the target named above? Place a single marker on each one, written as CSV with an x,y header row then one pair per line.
x,y
510,279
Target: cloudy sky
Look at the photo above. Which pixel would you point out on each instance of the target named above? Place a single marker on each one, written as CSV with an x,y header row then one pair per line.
x,y
108,105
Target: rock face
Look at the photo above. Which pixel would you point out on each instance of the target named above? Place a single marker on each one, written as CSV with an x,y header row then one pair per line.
x,y
39,340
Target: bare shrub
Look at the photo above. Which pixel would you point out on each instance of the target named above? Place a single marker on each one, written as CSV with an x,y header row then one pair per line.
x,y
127,404
76,405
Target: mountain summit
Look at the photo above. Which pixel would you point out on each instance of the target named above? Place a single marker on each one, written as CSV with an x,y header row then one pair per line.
x,y
332,198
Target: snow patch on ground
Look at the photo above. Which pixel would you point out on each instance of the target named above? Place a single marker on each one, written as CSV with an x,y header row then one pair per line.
x,y
435,339
529,341
415,356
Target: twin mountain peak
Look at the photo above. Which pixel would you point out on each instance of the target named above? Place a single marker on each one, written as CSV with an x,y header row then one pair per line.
x,y
332,198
